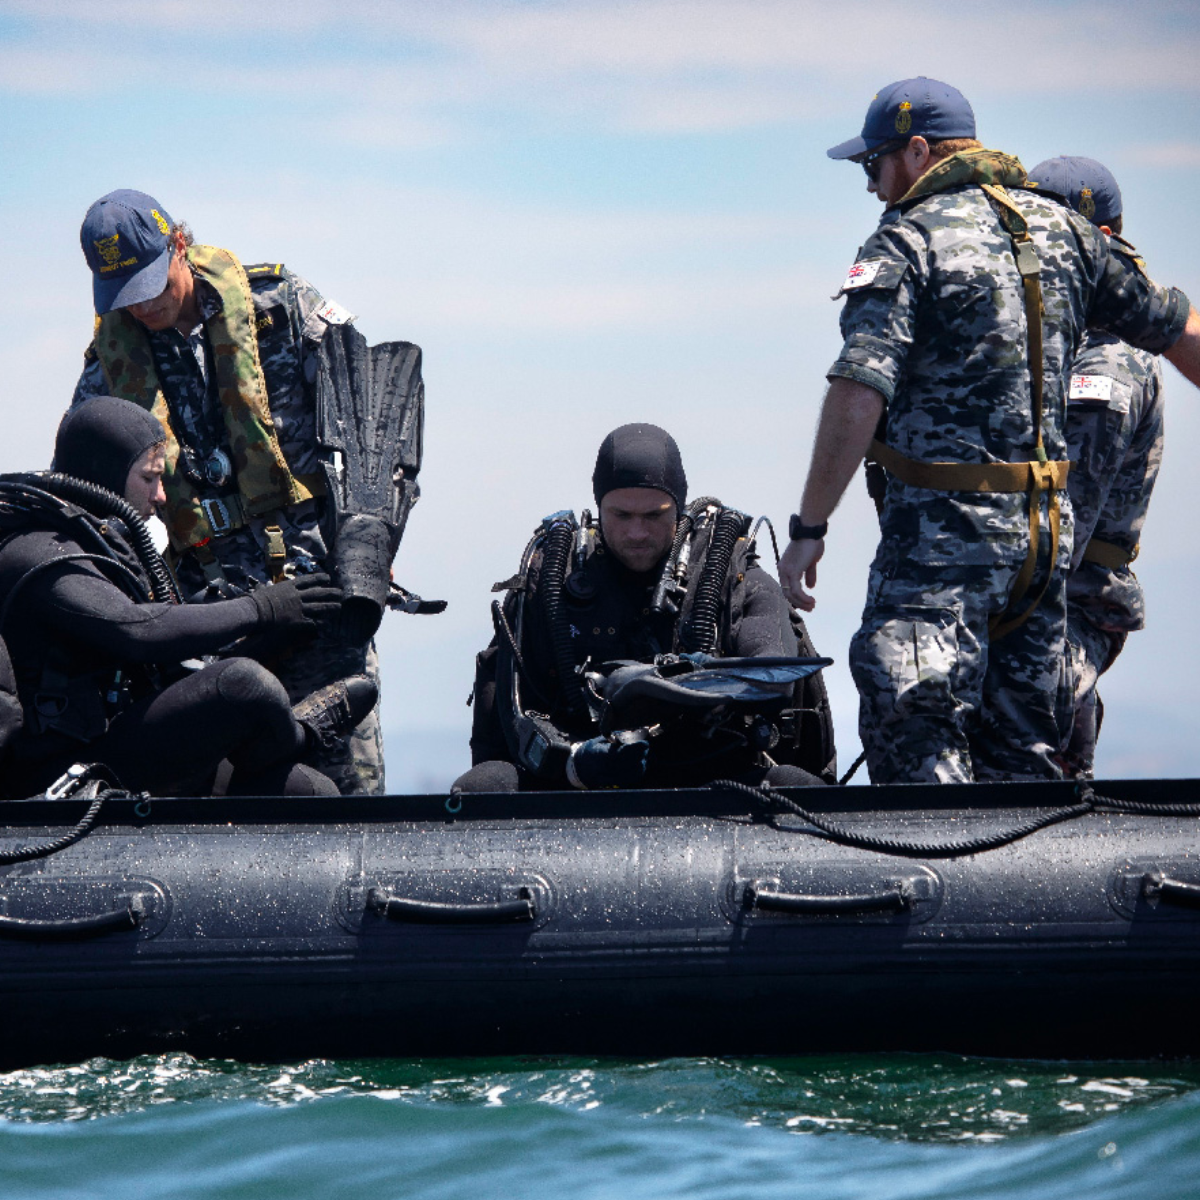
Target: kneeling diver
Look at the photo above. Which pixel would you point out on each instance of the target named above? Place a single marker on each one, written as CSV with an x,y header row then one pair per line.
x,y
658,581
97,634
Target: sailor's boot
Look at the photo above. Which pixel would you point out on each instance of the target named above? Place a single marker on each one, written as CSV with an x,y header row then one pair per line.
x,y
333,711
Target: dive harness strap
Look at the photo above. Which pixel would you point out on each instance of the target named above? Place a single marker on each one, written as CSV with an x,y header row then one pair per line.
x,y
1038,477
1109,554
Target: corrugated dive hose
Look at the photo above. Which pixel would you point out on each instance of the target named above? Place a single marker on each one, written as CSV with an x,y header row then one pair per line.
x,y
556,557
698,634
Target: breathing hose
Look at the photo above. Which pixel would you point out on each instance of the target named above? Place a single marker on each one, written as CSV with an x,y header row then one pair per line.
x,y
100,502
45,493
556,557
698,634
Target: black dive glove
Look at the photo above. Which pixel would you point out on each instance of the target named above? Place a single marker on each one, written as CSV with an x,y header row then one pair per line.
x,y
297,603
609,762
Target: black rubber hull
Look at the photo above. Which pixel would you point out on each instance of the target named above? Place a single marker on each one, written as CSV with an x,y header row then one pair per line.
x,y
641,924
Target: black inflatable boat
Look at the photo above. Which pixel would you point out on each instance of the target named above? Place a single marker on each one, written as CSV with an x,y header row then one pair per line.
x,y
703,921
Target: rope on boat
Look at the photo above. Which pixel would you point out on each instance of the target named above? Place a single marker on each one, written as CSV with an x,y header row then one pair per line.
x,y
1089,802
1148,808
858,762
80,782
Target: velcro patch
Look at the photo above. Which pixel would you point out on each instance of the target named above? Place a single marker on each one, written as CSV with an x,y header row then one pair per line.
x,y
1091,387
862,274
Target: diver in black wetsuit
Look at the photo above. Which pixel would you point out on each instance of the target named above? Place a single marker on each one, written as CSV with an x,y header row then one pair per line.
x,y
97,635
658,577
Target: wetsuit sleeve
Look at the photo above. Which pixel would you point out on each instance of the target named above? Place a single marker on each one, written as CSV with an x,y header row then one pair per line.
x,y
764,627
879,317
83,608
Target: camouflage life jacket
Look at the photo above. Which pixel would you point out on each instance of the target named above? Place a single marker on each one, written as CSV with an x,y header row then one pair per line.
x,y
265,482
991,168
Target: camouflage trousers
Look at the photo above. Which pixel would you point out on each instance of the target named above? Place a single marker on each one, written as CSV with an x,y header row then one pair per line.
x,y
939,701
1090,652
356,763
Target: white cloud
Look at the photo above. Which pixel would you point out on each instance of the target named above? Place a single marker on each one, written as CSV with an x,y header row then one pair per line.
x,y
421,72
1167,155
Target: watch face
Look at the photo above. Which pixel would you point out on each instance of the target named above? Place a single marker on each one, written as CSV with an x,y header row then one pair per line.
x,y
217,468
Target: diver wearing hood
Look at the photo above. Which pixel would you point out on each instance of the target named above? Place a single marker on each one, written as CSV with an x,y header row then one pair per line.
x,y
655,579
97,634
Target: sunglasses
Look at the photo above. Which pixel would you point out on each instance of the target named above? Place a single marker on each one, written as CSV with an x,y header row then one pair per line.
x,y
873,163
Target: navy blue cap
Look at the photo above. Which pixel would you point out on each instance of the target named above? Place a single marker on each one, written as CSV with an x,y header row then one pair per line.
x,y
1086,185
126,239
913,107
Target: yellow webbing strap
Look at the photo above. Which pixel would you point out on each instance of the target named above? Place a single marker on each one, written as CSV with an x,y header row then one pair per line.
x,y
970,477
1036,478
1109,554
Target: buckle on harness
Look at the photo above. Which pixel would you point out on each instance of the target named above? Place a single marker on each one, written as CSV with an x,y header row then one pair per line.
x,y
217,516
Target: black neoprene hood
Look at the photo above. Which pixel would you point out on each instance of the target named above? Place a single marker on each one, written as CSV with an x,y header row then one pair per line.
x,y
640,456
100,439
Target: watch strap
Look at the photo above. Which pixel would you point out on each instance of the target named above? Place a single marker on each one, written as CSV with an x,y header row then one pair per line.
x,y
797,529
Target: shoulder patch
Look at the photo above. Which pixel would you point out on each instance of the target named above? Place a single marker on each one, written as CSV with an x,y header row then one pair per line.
x,y
1091,387
862,274
873,273
332,313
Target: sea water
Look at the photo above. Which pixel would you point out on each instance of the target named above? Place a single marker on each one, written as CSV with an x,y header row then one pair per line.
x,y
880,1127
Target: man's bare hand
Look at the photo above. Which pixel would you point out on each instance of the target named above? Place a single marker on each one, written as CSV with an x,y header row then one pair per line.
x,y
798,567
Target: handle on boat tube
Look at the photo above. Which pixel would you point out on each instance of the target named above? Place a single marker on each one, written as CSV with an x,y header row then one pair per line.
x,y
898,898
72,928
439,912
1171,891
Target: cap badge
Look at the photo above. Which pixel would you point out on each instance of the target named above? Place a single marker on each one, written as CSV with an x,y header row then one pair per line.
x,y
1087,203
163,227
108,250
904,117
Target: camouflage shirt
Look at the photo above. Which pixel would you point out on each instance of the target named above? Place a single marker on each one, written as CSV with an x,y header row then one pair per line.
x,y
1115,437
292,319
935,321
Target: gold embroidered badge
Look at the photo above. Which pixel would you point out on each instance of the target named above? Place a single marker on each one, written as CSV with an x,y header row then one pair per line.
x,y
163,227
904,117
1087,203
108,250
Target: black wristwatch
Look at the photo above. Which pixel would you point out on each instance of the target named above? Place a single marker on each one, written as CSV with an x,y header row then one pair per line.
x,y
797,529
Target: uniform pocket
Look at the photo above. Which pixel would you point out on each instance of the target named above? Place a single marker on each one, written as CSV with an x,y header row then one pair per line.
x,y
923,658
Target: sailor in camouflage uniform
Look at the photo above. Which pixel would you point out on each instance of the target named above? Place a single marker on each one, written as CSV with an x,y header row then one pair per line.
x,y
226,357
1115,442
963,316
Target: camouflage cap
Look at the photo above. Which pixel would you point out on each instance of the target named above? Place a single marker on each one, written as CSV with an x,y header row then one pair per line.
x,y
912,107
1086,185
126,239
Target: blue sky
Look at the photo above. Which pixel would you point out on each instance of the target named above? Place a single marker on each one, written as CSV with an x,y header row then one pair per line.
x,y
586,213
